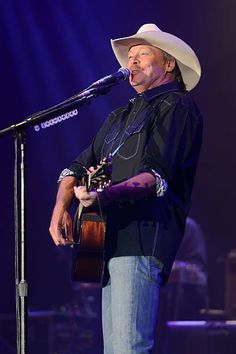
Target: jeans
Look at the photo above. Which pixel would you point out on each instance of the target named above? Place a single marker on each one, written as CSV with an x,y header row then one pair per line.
x,y
129,305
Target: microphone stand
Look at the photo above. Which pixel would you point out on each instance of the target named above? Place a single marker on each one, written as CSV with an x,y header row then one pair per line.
x,y
19,132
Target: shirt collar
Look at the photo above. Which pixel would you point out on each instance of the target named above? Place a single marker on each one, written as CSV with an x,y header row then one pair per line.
x,y
160,90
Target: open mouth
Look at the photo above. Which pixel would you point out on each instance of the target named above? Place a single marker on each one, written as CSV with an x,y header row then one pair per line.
x,y
133,73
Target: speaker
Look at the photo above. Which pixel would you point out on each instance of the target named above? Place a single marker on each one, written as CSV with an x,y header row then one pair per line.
x,y
63,332
200,337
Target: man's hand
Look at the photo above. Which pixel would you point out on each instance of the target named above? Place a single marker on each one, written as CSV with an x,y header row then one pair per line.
x,y
87,199
61,222
61,227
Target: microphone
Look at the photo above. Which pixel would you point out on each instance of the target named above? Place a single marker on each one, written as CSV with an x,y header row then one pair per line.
x,y
121,74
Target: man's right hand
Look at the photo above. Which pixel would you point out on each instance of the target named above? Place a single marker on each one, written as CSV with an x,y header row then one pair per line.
x,y
61,222
61,227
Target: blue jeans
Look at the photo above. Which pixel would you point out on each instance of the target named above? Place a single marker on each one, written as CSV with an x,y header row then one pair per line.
x,y
129,305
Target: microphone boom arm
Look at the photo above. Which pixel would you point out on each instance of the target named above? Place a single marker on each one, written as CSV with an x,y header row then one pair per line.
x,y
76,101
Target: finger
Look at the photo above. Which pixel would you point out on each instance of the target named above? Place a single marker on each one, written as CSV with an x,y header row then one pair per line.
x,y
85,202
68,241
91,169
79,188
69,232
82,195
60,222
59,233
79,191
56,236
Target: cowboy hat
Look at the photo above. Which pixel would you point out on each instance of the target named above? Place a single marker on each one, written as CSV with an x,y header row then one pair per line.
x,y
150,34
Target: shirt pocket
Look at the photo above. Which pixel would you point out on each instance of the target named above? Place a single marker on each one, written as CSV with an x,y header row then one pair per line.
x,y
131,142
109,142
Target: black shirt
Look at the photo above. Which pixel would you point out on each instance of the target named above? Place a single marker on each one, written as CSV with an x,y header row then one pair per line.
x,y
160,130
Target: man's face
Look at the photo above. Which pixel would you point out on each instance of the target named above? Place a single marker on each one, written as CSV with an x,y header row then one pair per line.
x,y
147,66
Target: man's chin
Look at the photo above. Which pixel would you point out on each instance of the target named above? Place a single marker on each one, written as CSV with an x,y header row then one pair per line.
x,y
134,82
137,87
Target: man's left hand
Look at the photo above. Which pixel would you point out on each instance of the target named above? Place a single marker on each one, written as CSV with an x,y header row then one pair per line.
x,y
87,199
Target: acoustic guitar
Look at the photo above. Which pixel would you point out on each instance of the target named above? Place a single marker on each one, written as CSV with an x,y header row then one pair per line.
x,y
90,228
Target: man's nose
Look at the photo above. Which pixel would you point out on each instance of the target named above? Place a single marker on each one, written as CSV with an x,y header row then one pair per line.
x,y
135,60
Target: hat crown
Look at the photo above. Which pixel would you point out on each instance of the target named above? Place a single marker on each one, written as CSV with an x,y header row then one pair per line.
x,y
148,27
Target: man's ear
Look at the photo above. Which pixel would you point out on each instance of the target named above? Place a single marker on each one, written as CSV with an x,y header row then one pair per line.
x,y
170,65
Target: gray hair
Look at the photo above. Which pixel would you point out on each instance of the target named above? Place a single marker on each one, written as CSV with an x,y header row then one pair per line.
x,y
176,71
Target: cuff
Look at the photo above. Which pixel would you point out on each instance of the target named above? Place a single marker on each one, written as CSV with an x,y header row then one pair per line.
x,y
161,184
66,172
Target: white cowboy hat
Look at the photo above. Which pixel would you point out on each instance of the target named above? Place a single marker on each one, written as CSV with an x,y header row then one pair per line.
x,y
150,34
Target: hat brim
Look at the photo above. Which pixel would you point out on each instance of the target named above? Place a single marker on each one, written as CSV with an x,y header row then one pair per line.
x,y
186,58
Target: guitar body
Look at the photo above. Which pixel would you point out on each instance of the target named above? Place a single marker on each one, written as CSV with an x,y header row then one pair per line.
x,y
89,237
89,231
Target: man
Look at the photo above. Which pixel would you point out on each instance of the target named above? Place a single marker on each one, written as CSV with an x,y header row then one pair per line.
x,y
155,142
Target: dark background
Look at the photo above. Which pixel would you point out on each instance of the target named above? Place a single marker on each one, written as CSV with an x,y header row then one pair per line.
x,y
50,50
